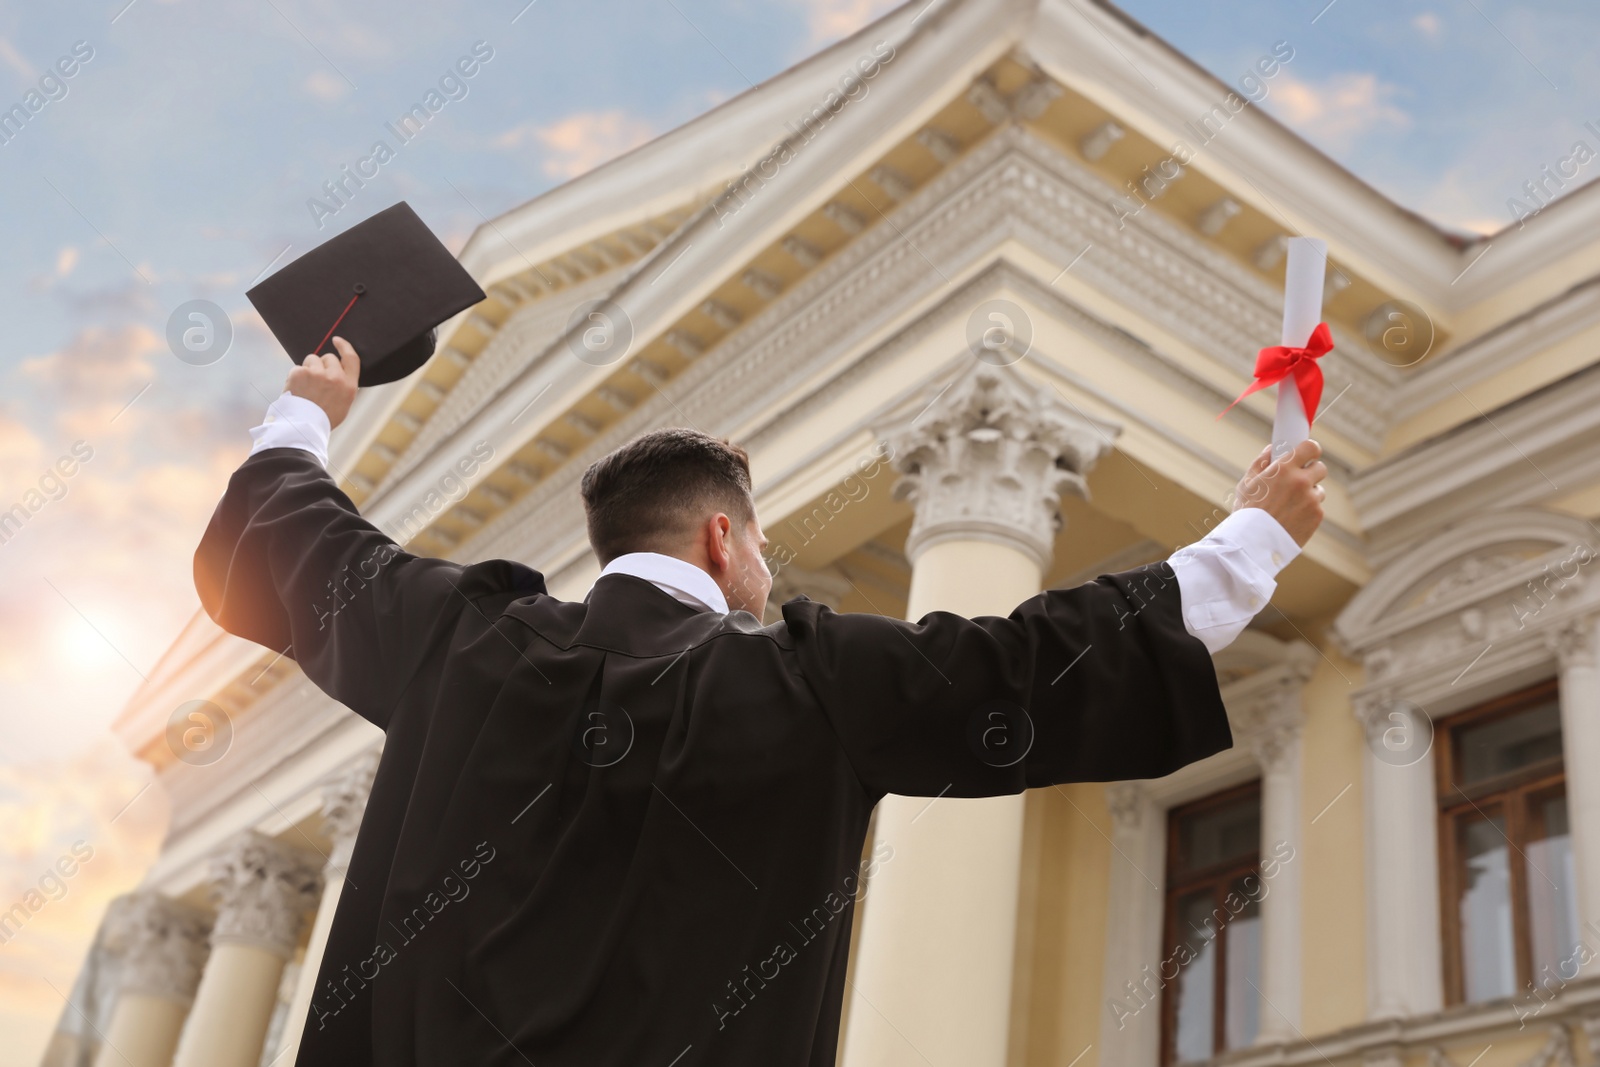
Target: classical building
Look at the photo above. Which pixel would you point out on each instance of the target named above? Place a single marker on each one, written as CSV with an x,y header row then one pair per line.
x,y
972,287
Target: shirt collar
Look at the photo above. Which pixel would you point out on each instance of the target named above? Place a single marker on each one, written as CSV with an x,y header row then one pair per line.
x,y
677,577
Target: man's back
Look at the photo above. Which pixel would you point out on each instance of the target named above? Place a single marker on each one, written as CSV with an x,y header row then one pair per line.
x,y
627,831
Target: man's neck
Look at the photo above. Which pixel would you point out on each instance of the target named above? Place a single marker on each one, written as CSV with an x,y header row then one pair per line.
x,y
678,577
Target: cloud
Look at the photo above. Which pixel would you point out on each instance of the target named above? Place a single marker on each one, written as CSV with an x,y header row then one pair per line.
x,y
13,59
98,364
20,451
1338,111
325,85
579,143
829,20
46,810
1428,25
1457,200
66,259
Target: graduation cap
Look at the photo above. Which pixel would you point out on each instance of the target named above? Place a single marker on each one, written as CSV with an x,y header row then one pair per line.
x,y
383,285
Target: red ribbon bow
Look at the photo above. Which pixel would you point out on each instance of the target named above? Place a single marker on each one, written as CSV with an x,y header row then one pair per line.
x,y
1276,363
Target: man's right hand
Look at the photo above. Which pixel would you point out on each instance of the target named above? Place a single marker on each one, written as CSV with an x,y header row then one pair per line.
x,y
1287,489
328,381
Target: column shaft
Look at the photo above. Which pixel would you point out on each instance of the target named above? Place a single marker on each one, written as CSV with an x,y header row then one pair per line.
x,y
1280,907
1580,735
237,995
161,944
143,1032
1404,975
934,970
263,889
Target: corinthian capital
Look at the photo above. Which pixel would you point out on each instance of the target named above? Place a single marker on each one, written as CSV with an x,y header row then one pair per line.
x,y
1572,642
344,802
1269,721
161,944
990,458
1126,802
263,889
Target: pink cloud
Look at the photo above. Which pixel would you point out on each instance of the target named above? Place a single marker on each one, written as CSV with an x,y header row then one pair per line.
x,y
580,142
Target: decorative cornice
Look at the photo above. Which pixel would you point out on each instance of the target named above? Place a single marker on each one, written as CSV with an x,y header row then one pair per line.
x,y
503,358
263,889
1502,458
1011,182
161,945
990,457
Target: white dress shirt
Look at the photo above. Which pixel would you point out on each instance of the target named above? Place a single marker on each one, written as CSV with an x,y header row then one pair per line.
x,y
1223,579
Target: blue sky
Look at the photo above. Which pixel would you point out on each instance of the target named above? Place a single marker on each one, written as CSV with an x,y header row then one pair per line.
x,y
178,165
1446,107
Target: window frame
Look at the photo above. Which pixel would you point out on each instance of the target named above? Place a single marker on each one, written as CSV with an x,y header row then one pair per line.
x,y
1509,795
1220,877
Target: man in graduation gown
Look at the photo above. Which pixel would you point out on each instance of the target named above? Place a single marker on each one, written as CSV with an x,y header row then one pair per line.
x,y
601,832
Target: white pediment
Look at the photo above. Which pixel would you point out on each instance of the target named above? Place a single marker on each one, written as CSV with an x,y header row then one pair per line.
x,y
1484,577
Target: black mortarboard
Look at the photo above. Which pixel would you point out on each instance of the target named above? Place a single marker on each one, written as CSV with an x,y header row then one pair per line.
x,y
383,285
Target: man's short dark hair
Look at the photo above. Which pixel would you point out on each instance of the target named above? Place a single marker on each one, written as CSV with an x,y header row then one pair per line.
x,y
651,494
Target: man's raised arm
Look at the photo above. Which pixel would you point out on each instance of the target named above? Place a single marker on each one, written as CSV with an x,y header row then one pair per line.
x,y
1107,681
288,562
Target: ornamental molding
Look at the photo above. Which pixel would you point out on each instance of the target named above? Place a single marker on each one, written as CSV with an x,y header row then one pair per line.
x,y
263,890
1556,1051
1013,185
990,457
1563,316
161,945
1498,594
1396,1041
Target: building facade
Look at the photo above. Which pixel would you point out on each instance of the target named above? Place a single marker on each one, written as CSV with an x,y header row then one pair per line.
x,y
973,311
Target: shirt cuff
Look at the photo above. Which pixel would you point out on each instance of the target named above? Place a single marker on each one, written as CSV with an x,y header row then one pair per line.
x,y
293,422
1261,537
1229,575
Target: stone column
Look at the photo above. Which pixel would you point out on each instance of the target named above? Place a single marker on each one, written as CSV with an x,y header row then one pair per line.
x,y
162,947
1575,647
1132,983
344,801
263,889
985,466
1404,968
1270,726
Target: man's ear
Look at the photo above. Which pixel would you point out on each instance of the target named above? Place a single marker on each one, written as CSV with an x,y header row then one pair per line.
x,y
718,534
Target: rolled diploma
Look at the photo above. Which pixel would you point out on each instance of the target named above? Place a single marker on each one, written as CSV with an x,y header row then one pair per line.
x,y
1302,310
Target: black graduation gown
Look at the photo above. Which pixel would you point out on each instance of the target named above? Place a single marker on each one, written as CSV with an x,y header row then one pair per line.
x,y
627,832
